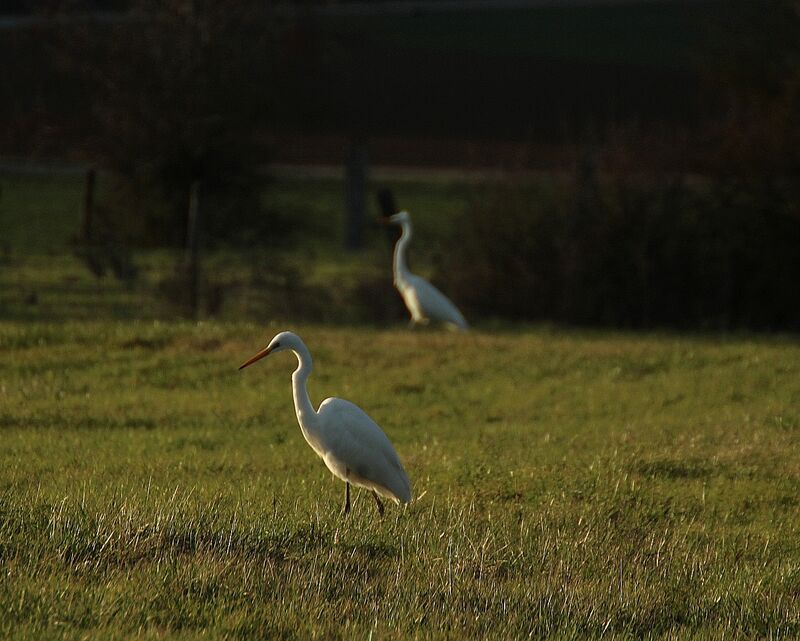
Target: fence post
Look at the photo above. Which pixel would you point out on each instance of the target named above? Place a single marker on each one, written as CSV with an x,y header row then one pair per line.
x,y
386,204
193,248
88,206
355,197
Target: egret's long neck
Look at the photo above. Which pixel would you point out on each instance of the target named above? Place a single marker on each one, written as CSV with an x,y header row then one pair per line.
x,y
306,415
400,267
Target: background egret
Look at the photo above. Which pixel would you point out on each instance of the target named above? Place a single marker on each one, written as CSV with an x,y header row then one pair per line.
x,y
423,300
352,445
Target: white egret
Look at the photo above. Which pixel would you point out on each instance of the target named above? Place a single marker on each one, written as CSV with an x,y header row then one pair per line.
x,y
423,300
352,445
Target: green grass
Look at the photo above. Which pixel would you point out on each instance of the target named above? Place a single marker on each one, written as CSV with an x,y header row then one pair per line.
x,y
39,214
570,485
41,278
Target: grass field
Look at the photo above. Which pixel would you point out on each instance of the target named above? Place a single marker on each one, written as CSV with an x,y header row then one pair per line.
x,y
569,485
42,279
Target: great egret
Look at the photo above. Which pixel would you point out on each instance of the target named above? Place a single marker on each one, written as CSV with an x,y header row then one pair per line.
x,y
423,300
352,445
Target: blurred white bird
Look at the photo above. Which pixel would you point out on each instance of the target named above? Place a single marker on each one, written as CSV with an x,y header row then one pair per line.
x,y
352,445
423,300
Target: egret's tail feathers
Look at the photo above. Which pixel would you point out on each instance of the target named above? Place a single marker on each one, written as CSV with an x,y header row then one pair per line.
x,y
400,490
405,495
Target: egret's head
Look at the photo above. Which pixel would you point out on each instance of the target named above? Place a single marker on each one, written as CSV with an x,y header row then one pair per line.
x,y
282,341
400,218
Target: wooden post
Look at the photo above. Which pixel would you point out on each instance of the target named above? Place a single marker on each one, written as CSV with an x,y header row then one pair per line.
x,y
193,248
387,206
88,206
355,195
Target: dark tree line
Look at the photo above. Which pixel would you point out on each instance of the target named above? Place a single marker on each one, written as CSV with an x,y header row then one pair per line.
x,y
174,95
683,209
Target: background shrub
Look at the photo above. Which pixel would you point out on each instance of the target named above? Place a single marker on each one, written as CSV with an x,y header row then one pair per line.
x,y
632,252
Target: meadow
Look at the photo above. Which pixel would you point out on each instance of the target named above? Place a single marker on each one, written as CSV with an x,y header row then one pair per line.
x,y
568,484
303,273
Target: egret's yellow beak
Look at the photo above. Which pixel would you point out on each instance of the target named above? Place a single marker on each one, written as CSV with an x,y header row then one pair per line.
x,y
264,352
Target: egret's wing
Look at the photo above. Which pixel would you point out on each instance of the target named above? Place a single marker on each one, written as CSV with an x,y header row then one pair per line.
x,y
436,305
356,441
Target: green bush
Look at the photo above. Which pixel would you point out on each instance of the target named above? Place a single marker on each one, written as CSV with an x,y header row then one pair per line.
x,y
717,253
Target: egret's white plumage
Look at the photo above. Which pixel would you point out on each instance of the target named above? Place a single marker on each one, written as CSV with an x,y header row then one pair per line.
x,y
423,300
350,443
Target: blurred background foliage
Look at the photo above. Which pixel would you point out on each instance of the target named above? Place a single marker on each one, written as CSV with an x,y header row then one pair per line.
x,y
649,155
173,95
669,252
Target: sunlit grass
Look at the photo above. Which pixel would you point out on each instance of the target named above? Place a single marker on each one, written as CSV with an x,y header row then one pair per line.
x,y
569,485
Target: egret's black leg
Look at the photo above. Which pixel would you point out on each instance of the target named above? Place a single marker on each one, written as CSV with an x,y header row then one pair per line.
x,y
346,498
378,501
